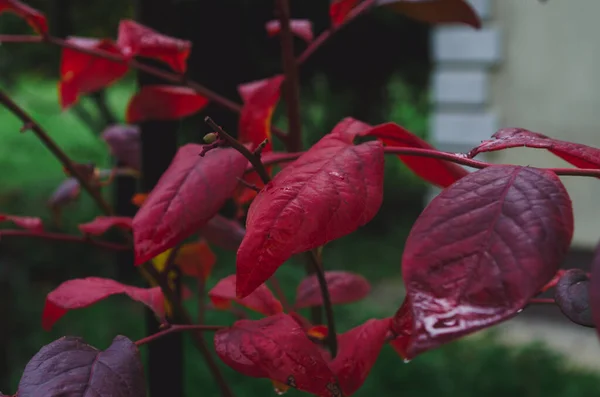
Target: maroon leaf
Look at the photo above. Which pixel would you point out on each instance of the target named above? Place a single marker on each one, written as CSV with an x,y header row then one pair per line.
x,y
185,198
581,156
124,144
438,172
26,222
223,233
573,297
82,73
328,192
482,249
435,11
34,18
163,102
344,287
139,40
70,367
339,10
402,328
359,349
101,224
277,348
261,300
300,27
84,292
594,288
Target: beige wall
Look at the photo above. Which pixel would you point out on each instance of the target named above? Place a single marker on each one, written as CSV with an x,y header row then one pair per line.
x,y
549,81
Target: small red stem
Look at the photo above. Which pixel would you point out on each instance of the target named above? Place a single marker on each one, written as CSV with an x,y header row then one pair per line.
x,y
64,237
177,328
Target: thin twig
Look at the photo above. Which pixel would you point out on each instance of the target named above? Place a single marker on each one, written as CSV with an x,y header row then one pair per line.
x,y
250,186
177,328
64,237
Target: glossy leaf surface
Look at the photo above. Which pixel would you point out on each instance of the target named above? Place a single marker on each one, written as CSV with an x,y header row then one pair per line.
x,y
101,224
260,300
70,367
185,198
83,292
572,296
481,250
339,10
163,102
344,287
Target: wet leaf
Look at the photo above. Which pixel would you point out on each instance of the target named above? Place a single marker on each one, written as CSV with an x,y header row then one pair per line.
x,y
163,102
34,18
124,144
344,287
328,192
70,367
185,198
581,156
196,259
139,40
435,11
101,224
573,297
358,352
300,27
84,292
26,222
261,300
222,232
84,73
276,347
481,250
339,10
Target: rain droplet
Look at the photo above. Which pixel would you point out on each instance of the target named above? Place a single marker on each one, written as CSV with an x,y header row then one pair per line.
x,y
279,391
519,311
406,361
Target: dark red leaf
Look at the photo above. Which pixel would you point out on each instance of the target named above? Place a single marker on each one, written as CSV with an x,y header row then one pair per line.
x,y
84,73
482,249
223,233
139,40
26,222
328,192
339,10
260,98
402,328
438,172
84,292
261,300
581,156
243,194
70,367
358,351
124,144
196,259
185,198
300,27
277,348
435,11
344,287
573,297
163,102
34,18
101,224
594,288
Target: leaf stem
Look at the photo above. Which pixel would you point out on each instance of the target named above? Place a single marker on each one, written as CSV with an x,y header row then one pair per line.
x,y
177,328
64,237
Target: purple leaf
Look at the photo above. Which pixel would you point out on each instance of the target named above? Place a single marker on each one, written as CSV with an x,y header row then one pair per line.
x,y
124,144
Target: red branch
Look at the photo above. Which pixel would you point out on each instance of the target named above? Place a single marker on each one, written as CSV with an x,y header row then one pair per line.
x,y
177,328
64,237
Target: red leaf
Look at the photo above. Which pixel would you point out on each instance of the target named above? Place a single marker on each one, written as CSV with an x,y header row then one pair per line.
x,y
84,292
163,102
482,249
339,10
359,349
196,260
223,233
328,192
402,328
139,40
34,18
84,73
300,27
594,288
243,194
124,144
344,287
572,296
185,198
581,156
435,11
101,224
261,300
260,98
26,222
277,348
438,172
